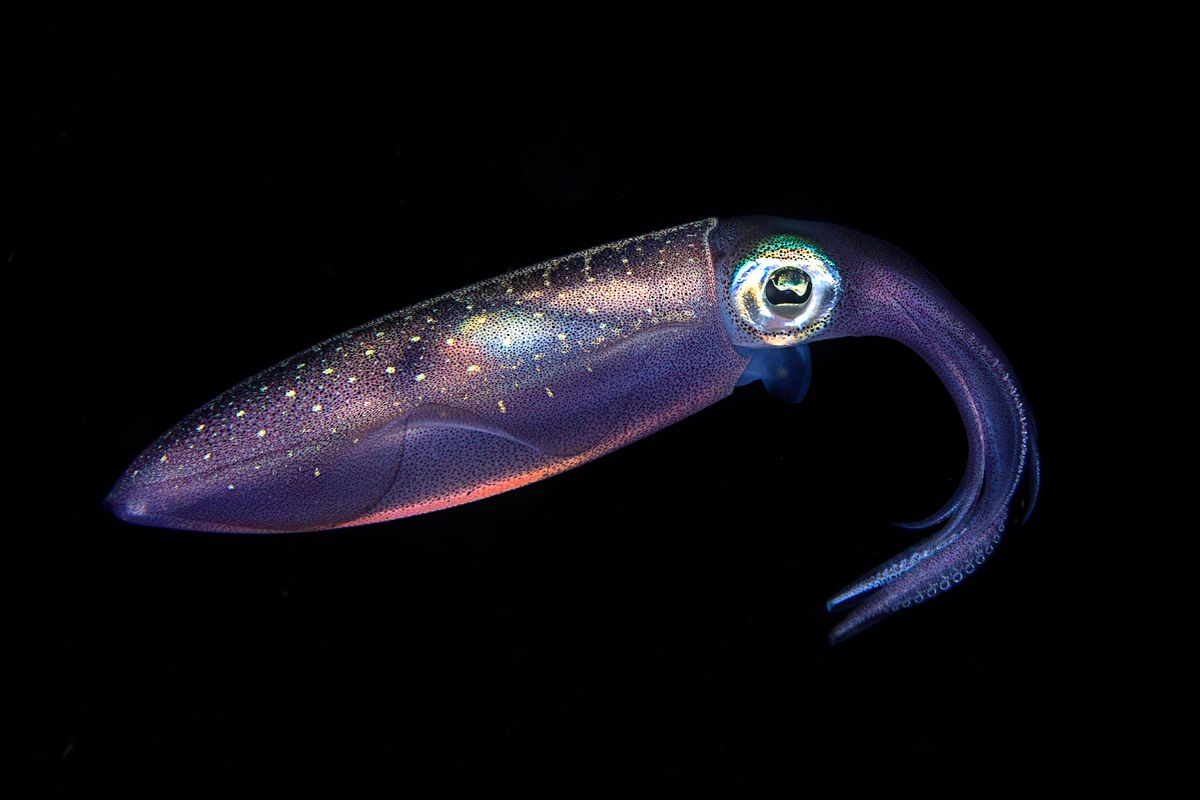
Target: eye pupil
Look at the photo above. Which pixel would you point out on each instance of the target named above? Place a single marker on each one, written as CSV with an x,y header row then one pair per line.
x,y
788,286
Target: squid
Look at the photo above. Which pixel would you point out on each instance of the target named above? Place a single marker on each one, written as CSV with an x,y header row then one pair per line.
x,y
520,377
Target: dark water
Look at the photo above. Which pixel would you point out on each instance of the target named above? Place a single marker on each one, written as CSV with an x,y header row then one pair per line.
x,y
201,192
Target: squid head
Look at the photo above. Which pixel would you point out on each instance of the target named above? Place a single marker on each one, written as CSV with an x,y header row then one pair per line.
x,y
517,378
789,283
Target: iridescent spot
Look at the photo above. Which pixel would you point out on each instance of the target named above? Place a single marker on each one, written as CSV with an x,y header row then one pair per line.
x,y
241,412
317,407
420,377
473,368
207,456
450,341
163,459
317,472
353,379
290,393
370,352
327,371
548,392
503,408
200,427
390,370
230,487
414,338
261,433
472,324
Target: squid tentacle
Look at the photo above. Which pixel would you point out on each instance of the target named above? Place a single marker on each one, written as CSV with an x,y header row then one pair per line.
x,y
1000,444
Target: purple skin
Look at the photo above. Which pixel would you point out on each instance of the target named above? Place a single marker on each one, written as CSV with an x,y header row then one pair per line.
x,y
517,378
887,293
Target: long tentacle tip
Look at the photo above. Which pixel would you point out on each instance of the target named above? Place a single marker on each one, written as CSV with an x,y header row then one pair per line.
x,y
847,598
857,621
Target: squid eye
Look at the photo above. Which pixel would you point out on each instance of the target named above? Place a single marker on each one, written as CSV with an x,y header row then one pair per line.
x,y
788,289
781,290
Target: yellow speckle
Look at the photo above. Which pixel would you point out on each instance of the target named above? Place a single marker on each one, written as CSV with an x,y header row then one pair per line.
x,y
591,310
317,472
538,315
261,432
327,371
207,456
241,412
562,336
353,379
291,453
414,338
317,407
263,388
473,368
503,408
163,459
473,324
230,487
370,352
290,393
419,378
450,341
356,440
548,392
378,334
509,290
200,427
390,370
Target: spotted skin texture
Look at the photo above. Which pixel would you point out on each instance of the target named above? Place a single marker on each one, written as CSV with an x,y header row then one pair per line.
x,y
472,393
523,376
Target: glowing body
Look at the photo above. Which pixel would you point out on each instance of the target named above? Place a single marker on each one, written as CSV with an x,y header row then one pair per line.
x,y
531,373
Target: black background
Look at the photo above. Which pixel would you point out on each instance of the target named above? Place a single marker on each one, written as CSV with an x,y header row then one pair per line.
x,y
201,192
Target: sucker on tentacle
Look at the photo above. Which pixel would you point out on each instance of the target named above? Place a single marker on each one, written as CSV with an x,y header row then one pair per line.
x,y
517,378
